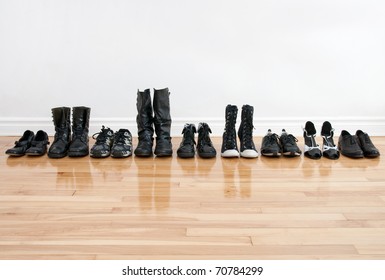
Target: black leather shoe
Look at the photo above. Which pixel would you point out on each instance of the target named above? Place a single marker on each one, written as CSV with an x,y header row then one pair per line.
x,y
366,145
39,144
22,145
348,145
187,146
289,144
205,147
312,150
270,145
329,149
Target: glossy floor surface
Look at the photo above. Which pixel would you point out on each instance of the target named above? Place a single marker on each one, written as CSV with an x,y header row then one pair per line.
x,y
171,208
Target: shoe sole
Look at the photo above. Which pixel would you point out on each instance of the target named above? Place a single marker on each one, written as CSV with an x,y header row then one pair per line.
x,y
77,154
291,154
202,155
50,155
230,154
186,155
121,156
249,154
271,154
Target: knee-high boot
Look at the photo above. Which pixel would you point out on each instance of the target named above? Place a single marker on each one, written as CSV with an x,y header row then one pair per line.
x,y
162,122
144,121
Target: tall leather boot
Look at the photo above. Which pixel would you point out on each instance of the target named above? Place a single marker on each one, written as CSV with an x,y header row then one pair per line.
x,y
62,122
80,124
144,121
162,122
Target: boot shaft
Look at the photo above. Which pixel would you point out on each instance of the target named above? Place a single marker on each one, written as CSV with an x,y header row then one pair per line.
x,y
80,118
162,117
246,127
144,119
61,117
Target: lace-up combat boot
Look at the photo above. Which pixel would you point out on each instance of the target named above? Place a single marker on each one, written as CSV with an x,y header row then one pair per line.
x,y
245,133
80,126
229,140
62,122
144,121
162,122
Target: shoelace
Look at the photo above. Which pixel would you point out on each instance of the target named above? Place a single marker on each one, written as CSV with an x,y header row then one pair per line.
x,y
272,139
289,138
101,136
204,137
230,129
188,135
120,138
248,130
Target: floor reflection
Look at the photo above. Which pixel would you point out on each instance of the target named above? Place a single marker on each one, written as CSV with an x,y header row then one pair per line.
x,y
237,176
72,173
154,182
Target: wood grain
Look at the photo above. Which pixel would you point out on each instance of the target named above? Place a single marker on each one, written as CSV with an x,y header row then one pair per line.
x,y
171,208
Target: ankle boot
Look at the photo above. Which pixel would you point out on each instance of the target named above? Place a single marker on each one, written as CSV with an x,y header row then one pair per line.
x,y
245,133
80,125
229,141
162,122
62,122
144,121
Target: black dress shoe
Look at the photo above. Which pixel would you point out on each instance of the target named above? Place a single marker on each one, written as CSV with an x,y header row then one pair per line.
x,y
329,149
348,145
22,145
38,145
366,145
312,150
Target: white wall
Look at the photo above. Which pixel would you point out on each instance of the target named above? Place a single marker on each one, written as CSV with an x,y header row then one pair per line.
x,y
292,60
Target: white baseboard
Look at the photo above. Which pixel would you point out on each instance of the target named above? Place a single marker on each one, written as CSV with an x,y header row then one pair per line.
x,y
373,126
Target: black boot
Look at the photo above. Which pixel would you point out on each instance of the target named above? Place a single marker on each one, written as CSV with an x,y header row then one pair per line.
x,y
229,140
187,146
144,120
162,122
245,133
62,121
80,124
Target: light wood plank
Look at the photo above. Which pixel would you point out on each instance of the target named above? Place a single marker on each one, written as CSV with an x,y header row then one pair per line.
x,y
171,208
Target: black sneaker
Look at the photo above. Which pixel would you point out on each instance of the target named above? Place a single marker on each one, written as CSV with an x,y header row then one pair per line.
x,y
102,146
187,146
348,145
205,147
289,145
270,145
366,145
312,150
122,146
245,133
229,140
329,149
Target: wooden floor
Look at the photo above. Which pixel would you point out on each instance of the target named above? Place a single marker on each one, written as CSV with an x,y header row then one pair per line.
x,y
171,208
